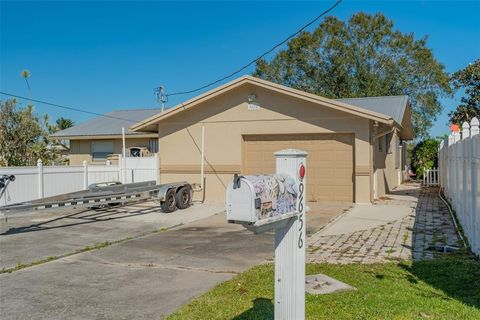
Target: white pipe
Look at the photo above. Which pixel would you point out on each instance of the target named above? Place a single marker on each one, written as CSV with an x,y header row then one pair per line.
x,y
203,157
124,164
123,142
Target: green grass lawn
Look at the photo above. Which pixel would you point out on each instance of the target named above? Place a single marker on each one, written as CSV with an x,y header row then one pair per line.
x,y
446,288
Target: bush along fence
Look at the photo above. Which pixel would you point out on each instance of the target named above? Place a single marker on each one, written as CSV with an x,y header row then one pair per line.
x,y
45,181
459,162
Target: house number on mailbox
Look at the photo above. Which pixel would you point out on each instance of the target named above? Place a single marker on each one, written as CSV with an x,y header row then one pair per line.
x,y
301,188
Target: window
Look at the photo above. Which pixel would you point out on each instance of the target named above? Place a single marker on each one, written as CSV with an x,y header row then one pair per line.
x,y
153,145
101,149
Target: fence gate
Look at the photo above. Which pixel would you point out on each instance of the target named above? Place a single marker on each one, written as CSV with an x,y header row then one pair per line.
x,y
431,177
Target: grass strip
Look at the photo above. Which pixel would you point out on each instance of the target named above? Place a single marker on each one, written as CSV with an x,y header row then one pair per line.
x,y
444,288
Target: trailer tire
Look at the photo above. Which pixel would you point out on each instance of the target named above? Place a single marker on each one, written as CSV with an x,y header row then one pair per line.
x,y
170,203
184,197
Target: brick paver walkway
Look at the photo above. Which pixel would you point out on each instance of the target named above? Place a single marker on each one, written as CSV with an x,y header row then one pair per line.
x,y
414,236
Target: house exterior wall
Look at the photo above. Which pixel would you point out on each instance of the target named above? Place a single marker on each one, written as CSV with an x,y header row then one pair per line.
x,y
81,150
387,167
226,119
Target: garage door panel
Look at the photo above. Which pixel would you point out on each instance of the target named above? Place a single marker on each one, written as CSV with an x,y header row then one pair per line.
x,y
330,161
341,193
323,156
343,165
342,155
342,176
323,194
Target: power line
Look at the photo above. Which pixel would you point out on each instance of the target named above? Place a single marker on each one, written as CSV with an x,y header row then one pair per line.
x,y
165,96
259,57
65,107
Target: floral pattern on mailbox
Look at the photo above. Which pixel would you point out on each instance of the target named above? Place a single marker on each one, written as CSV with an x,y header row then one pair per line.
x,y
277,192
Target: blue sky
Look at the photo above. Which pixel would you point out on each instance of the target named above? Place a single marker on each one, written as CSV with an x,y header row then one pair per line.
x,y
102,56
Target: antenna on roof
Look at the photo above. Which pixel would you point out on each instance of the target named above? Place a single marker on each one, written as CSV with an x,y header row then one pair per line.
x,y
161,96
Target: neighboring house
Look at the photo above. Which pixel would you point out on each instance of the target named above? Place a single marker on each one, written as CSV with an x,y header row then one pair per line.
x,y
355,146
100,137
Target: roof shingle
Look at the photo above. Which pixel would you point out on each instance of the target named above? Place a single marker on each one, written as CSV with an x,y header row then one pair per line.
x,y
100,126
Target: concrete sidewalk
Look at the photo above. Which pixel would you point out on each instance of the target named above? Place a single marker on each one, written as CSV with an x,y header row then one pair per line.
x,y
395,206
365,217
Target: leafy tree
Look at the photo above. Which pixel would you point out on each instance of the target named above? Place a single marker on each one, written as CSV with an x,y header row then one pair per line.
x,y
425,156
64,123
60,124
364,57
23,139
467,79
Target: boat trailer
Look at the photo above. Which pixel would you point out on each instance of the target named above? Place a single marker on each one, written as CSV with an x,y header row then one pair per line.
x,y
172,196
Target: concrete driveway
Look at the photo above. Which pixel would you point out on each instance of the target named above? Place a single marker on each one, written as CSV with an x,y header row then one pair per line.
x,y
32,237
146,277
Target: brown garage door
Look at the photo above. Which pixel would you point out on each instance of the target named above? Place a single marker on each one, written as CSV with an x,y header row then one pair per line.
x,y
329,161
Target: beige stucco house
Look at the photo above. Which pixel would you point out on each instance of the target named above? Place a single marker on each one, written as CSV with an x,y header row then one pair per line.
x,y
96,139
355,149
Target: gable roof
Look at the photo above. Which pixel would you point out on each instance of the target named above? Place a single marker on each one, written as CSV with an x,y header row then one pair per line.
x,y
393,106
149,124
108,126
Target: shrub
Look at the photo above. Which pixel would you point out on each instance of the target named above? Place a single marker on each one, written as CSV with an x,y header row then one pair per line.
x,y
425,156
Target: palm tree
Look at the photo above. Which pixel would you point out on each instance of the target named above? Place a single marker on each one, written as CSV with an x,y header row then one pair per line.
x,y
26,74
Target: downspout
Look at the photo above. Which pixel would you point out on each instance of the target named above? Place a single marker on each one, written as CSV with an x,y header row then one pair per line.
x,y
202,161
202,165
374,176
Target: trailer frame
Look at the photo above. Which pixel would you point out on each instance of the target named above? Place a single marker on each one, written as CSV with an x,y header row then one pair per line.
x,y
109,193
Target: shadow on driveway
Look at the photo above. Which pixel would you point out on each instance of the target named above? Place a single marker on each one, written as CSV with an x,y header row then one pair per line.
x,y
98,215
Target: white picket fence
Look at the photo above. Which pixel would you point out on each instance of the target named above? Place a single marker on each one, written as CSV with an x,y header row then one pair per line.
x,y
459,162
44,181
431,177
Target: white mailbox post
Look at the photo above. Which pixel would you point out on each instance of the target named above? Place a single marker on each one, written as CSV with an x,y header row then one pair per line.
x,y
277,202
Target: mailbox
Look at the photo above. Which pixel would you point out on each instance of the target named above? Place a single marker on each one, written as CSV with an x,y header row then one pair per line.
x,y
276,202
261,197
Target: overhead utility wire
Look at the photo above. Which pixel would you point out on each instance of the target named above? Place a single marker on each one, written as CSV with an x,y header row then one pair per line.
x,y
65,107
190,91
259,57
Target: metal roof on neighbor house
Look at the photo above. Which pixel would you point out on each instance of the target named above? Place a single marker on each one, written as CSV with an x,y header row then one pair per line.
x,y
111,125
393,106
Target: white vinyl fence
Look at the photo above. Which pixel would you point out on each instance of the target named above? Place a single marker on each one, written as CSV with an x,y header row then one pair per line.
x,y
45,181
431,177
459,161
138,169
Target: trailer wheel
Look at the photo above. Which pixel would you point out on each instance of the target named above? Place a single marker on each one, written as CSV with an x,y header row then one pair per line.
x,y
170,203
184,197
